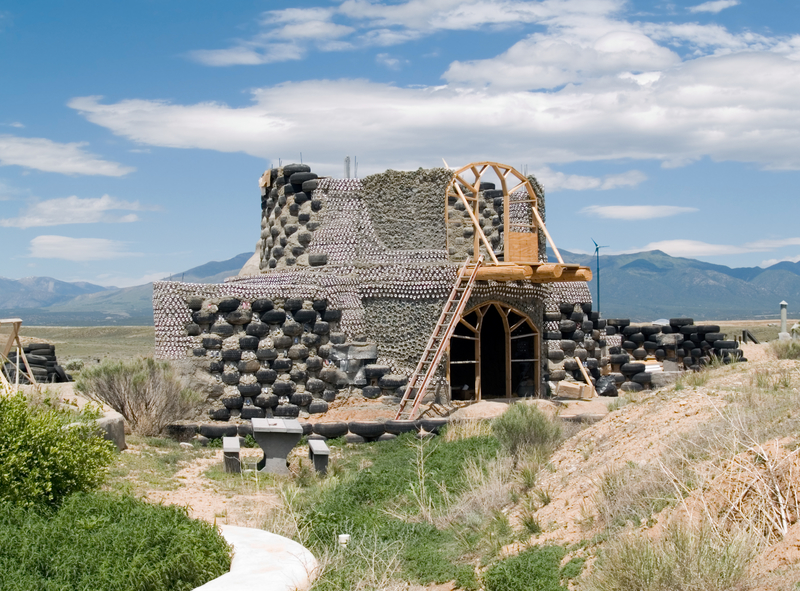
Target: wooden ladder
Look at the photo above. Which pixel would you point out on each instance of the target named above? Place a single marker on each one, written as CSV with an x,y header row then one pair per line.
x,y
432,356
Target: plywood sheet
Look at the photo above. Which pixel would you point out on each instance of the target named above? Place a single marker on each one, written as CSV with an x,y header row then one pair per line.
x,y
523,246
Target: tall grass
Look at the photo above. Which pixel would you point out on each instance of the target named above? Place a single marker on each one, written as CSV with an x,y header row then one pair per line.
x,y
785,349
524,429
682,559
144,391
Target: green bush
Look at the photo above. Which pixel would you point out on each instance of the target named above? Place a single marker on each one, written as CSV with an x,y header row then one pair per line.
x,y
110,543
535,569
144,391
524,429
47,454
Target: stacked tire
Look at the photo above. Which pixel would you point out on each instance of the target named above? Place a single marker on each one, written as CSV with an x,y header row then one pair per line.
x,y
574,334
42,361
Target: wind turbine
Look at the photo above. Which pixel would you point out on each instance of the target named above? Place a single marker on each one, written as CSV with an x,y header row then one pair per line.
x,y
597,248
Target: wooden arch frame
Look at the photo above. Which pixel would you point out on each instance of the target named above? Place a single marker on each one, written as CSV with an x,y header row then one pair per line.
x,y
504,310
471,202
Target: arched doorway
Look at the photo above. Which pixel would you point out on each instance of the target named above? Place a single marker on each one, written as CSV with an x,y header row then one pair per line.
x,y
494,353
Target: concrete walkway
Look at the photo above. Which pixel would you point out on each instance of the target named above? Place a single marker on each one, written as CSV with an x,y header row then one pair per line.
x,y
263,561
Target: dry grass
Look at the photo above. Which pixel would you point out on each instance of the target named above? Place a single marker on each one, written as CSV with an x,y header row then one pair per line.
x,y
466,428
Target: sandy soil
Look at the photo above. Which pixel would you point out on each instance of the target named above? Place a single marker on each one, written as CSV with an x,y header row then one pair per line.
x,y
206,501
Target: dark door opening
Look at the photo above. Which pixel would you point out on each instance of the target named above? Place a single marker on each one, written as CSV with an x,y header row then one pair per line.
x,y
493,354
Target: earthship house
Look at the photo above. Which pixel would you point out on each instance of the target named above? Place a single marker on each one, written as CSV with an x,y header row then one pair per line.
x,y
349,281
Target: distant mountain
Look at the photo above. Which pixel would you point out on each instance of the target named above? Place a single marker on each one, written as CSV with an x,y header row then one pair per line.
x,y
84,304
641,286
38,292
650,285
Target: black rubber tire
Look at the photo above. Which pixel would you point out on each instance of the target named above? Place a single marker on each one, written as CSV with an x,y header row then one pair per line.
x,y
257,329
713,337
266,354
213,431
232,402
228,305
619,358
720,345
552,335
282,364
631,330
301,398
639,354
567,326
266,400
212,342
631,387
707,328
248,343
568,346
331,430
557,375
653,329
552,316
274,317
286,411
637,338
222,329
249,390
681,321
371,392
399,427
305,316
181,431
555,355
283,388
630,369
219,414
232,355
642,378
262,305
252,412
432,425
570,364
366,429
618,322
230,378
566,309
629,345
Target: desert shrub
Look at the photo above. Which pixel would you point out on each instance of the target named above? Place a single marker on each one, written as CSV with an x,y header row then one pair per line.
x,y
524,429
681,559
632,494
144,391
103,541
48,453
785,349
535,569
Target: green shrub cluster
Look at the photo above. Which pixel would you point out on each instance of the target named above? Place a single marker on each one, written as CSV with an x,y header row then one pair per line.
x,y
144,391
524,430
105,542
786,349
47,454
535,569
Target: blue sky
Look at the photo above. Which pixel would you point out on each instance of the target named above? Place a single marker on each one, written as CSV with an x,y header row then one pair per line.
x,y
133,134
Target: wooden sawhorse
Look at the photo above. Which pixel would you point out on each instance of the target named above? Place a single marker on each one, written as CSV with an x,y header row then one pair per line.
x,y
13,339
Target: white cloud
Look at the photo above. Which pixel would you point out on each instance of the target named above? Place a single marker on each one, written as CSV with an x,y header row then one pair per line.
x,y
16,124
770,262
555,181
715,6
77,249
393,63
770,244
693,248
74,210
49,156
248,55
635,212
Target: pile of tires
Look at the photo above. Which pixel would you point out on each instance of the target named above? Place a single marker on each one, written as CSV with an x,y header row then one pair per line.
x,y
574,334
42,361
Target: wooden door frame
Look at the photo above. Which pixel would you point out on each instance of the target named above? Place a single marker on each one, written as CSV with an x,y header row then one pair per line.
x,y
504,310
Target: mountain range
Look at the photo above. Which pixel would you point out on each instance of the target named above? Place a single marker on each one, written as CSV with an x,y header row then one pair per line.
x,y
46,301
642,286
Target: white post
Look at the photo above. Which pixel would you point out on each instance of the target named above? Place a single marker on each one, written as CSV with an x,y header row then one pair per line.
x,y
784,334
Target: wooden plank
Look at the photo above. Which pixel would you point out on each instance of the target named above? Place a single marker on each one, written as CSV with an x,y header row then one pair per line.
x,y
582,274
515,273
522,246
